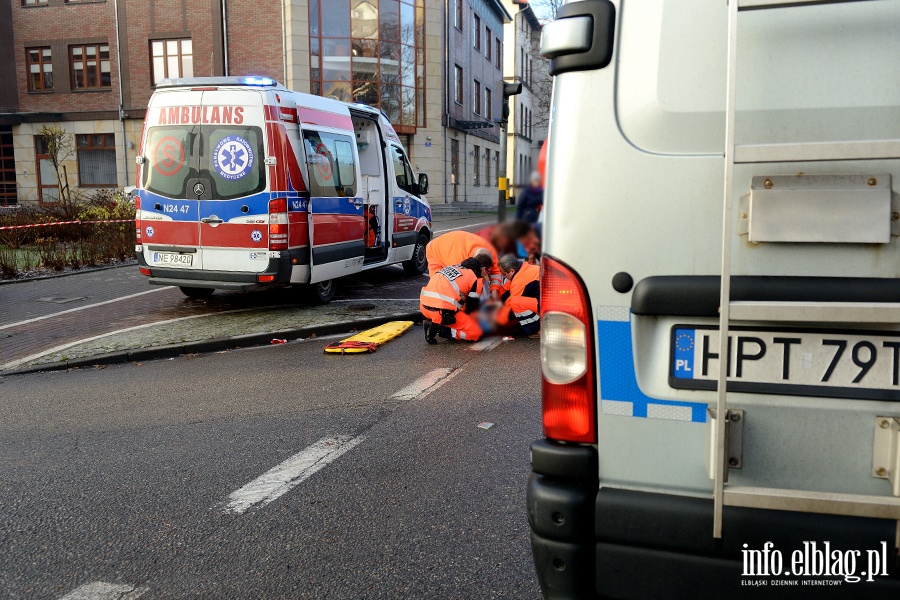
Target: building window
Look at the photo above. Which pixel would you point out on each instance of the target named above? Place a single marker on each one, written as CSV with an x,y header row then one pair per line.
x,y
96,160
499,52
488,104
476,32
40,70
47,182
454,161
522,63
33,2
497,160
458,17
477,170
458,85
487,43
371,53
90,66
487,167
171,58
477,98
8,187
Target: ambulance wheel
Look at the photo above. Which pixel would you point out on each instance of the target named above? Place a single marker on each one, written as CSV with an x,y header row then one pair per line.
x,y
322,292
197,293
418,264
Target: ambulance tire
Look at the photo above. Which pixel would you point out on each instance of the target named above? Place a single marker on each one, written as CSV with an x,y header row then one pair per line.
x,y
197,293
418,264
322,292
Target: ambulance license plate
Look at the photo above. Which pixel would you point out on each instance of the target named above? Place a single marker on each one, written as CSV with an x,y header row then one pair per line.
x,y
171,258
798,362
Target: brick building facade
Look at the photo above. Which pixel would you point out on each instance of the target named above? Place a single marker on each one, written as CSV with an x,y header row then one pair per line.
x,y
90,66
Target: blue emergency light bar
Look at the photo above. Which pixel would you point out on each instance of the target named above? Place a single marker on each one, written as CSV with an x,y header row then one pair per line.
x,y
252,80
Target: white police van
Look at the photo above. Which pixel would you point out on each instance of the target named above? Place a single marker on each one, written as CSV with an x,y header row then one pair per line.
x,y
785,482
243,184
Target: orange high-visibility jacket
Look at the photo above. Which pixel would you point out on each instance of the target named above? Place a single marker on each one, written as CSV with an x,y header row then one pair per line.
x,y
449,288
526,282
456,246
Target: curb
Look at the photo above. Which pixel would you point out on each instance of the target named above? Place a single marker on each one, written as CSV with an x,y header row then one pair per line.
x,y
132,263
215,344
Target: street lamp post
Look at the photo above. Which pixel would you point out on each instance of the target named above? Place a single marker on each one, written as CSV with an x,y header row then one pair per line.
x,y
509,89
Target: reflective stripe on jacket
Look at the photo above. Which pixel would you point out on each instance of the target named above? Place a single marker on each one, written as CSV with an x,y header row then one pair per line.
x,y
449,288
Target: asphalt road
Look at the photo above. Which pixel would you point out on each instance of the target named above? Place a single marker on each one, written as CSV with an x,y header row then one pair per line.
x,y
40,315
145,479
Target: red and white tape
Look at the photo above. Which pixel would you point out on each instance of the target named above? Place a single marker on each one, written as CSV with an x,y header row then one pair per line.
x,y
64,223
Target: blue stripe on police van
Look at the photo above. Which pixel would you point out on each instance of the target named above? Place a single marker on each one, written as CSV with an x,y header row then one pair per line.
x,y
619,391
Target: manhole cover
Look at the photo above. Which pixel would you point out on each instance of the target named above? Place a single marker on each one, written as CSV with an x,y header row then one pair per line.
x,y
59,299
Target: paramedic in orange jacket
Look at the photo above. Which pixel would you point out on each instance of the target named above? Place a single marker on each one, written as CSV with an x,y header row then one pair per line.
x,y
450,295
454,247
521,291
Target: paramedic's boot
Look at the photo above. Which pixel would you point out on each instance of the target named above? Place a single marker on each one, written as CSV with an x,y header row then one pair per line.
x,y
431,330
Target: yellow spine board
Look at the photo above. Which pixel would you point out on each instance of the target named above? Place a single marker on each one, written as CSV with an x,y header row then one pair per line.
x,y
373,337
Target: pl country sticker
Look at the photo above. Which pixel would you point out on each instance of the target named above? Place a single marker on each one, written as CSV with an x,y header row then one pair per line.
x,y
233,157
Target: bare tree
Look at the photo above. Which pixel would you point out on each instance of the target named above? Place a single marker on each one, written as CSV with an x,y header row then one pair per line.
x,y
546,9
60,148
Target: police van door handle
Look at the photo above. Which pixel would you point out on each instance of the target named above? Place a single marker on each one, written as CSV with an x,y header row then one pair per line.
x,y
399,203
358,202
213,220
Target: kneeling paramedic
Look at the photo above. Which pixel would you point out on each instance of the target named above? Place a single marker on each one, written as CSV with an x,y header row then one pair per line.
x,y
520,296
454,247
450,295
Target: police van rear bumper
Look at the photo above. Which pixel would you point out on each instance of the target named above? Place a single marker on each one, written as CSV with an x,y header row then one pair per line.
x,y
612,543
280,268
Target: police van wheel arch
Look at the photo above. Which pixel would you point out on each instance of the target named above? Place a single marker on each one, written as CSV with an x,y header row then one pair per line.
x,y
322,292
418,264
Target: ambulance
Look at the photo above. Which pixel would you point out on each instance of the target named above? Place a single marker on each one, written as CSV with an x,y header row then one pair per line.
x,y
720,302
244,184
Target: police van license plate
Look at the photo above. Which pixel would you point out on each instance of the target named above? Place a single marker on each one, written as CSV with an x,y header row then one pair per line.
x,y
806,362
171,258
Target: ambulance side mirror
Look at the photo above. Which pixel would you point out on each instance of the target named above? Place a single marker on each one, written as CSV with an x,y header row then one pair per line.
x,y
423,184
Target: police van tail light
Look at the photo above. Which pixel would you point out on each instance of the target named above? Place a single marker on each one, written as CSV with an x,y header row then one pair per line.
x,y
567,360
278,224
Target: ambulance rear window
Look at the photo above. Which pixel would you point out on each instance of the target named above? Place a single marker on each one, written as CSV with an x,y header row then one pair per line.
x,y
167,160
233,159
230,159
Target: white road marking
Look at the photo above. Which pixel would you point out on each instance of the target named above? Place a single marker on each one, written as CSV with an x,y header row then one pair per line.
x,y
101,590
425,384
21,361
71,310
465,227
488,343
280,479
